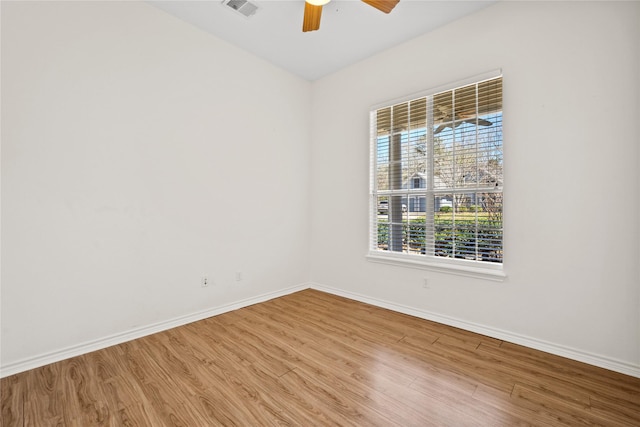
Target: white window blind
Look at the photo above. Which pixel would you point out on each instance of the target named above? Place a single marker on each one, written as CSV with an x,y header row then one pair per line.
x,y
436,175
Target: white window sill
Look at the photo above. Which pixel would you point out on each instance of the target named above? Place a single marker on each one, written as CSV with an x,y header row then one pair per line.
x,y
493,272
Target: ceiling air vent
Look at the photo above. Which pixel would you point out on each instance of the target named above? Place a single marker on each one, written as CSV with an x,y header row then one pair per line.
x,y
243,7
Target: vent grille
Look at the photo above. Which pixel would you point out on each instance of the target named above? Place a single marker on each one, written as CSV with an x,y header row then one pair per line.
x,y
243,7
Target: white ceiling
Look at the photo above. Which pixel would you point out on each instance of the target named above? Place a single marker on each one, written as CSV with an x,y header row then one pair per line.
x,y
349,31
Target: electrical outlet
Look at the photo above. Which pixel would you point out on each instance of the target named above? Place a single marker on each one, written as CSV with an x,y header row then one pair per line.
x,y
425,284
238,276
204,282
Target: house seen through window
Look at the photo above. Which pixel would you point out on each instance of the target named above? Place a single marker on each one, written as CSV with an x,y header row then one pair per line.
x,y
436,176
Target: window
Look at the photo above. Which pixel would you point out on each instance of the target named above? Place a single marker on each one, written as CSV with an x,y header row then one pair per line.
x,y
436,178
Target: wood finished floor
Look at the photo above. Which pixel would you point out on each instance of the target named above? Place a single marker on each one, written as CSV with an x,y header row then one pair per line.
x,y
311,359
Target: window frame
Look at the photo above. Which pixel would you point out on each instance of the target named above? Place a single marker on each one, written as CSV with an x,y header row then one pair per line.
x,y
461,267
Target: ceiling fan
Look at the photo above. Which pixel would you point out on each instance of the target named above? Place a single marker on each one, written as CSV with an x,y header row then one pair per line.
x,y
442,113
313,11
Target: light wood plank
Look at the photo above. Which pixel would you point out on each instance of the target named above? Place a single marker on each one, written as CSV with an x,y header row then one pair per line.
x,y
312,358
12,391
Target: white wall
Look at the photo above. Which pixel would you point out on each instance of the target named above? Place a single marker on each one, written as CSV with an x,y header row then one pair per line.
x,y
139,153
571,140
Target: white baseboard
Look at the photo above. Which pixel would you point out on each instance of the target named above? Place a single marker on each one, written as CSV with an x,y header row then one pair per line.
x,y
559,350
99,344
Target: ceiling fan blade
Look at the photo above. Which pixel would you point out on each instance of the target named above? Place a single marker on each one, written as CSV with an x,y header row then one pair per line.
x,y
385,6
312,16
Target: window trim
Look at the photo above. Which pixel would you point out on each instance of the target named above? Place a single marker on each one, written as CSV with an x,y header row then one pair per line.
x,y
459,267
